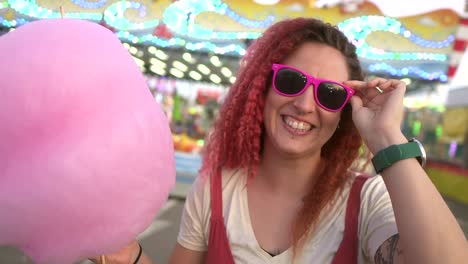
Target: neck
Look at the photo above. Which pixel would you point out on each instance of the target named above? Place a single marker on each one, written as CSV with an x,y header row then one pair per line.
x,y
287,175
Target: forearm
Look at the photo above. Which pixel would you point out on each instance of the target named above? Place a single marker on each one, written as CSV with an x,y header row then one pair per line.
x,y
429,233
127,255
144,259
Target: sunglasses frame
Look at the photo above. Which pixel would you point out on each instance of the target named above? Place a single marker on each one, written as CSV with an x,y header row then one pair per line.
x,y
315,83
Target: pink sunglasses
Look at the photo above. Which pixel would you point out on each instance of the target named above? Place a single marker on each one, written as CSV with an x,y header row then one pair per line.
x,y
330,95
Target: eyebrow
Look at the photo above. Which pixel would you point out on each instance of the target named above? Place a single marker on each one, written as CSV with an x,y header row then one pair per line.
x,y
303,71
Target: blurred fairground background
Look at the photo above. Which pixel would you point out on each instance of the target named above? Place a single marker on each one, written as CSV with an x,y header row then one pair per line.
x,y
189,51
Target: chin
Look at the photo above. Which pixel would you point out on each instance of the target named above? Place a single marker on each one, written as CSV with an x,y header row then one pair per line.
x,y
298,149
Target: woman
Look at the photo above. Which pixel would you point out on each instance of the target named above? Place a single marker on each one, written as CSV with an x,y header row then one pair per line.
x,y
276,184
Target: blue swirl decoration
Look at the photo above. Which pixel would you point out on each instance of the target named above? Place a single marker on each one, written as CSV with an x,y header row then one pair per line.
x,y
115,16
180,17
248,22
359,28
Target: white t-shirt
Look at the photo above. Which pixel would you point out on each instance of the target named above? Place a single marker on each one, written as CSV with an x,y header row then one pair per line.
x,y
376,223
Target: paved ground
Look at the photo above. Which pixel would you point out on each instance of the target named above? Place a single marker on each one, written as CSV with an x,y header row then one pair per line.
x,y
159,239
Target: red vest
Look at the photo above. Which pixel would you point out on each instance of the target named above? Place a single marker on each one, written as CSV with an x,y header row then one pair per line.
x,y
218,244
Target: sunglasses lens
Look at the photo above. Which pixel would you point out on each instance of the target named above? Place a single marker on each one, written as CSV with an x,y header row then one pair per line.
x,y
289,81
331,95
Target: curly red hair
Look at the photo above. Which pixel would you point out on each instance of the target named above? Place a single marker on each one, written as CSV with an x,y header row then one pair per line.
x,y
236,141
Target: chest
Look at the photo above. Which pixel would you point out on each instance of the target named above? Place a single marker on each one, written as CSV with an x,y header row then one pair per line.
x,y
255,227
271,220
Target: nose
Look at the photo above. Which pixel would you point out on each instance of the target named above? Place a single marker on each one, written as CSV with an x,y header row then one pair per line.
x,y
305,103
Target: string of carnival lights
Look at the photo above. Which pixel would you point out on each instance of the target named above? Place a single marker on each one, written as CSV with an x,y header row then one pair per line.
x,y
165,43
10,23
359,28
179,42
247,22
31,9
384,67
89,5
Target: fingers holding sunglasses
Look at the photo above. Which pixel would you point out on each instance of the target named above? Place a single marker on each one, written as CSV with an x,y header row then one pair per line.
x,y
379,92
369,88
376,90
363,90
388,93
377,115
385,85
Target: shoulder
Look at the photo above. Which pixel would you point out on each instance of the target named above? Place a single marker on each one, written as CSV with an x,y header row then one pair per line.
x,y
374,187
230,178
195,221
376,217
375,199
231,181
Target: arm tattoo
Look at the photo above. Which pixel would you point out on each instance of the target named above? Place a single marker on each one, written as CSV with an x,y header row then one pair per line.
x,y
389,251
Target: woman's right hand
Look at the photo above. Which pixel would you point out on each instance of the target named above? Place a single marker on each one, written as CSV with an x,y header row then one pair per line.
x,y
126,255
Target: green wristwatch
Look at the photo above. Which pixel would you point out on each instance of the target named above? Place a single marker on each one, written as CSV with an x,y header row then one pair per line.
x,y
388,156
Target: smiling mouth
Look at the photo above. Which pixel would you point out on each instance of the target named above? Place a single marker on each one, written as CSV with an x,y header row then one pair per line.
x,y
296,125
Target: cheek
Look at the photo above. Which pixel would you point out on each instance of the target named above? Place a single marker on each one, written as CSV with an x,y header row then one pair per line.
x,y
330,119
276,101
269,116
273,103
336,121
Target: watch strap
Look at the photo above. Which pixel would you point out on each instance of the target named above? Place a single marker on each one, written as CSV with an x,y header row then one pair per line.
x,y
388,156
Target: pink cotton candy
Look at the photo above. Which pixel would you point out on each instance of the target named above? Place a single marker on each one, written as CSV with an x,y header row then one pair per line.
x,y
86,155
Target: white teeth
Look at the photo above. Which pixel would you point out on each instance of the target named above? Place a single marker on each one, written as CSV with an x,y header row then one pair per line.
x,y
297,124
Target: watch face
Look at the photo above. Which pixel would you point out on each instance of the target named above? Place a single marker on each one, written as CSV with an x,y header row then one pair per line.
x,y
422,158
